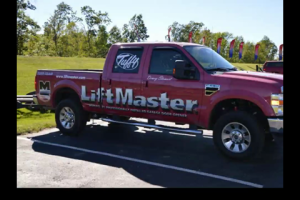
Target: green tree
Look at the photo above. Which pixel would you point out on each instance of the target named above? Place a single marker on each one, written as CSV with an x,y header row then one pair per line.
x,y
21,5
25,25
101,43
180,32
248,53
92,19
62,16
267,50
114,35
135,26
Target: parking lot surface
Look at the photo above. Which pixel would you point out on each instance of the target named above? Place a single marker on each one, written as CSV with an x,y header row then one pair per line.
x,y
106,155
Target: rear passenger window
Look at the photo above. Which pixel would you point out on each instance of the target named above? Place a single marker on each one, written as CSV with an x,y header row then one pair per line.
x,y
127,61
163,61
274,64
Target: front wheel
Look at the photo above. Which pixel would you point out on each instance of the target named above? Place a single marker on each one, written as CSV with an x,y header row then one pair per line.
x,y
238,135
70,117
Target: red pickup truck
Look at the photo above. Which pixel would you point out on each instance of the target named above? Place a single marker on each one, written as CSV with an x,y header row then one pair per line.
x,y
183,83
273,67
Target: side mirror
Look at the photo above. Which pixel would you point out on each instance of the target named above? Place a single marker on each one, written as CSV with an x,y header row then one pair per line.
x,y
183,70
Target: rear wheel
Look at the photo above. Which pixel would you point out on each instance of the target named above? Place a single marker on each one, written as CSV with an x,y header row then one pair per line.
x,y
70,117
269,138
238,135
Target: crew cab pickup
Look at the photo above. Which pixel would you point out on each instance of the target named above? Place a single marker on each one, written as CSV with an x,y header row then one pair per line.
x,y
182,83
273,67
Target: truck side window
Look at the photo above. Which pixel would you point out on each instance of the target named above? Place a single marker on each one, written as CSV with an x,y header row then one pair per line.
x,y
127,61
274,64
163,61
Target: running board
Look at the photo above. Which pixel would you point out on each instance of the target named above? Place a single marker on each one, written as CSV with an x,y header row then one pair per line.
x,y
162,127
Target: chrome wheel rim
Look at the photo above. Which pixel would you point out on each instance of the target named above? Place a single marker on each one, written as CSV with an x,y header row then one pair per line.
x,y
236,137
67,117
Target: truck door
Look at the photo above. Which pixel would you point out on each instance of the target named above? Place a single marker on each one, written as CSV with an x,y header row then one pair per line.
x,y
168,98
122,78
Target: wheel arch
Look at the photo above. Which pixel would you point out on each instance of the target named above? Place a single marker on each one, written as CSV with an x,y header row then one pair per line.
x,y
65,93
65,89
233,104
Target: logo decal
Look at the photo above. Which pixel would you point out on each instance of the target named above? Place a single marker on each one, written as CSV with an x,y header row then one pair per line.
x,y
210,89
161,78
44,90
127,61
126,100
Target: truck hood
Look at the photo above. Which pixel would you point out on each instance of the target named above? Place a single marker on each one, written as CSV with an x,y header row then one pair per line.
x,y
258,75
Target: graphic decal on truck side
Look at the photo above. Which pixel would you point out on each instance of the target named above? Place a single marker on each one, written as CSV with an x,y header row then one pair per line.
x,y
127,98
210,89
127,61
44,90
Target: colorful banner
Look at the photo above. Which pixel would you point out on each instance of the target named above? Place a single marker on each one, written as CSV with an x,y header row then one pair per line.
x,y
203,40
241,50
219,41
190,36
231,48
280,52
256,51
169,38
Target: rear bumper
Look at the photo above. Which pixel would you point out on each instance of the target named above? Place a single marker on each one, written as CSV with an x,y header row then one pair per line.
x,y
35,100
276,126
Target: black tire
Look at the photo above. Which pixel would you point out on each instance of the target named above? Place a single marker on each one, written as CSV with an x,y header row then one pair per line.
x,y
80,117
254,128
269,138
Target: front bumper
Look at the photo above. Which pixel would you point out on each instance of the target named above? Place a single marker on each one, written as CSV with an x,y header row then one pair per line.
x,y
276,126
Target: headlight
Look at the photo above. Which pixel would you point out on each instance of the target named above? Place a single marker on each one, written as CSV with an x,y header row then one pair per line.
x,y
277,103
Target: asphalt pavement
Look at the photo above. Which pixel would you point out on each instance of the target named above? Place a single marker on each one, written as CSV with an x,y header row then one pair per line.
x,y
106,155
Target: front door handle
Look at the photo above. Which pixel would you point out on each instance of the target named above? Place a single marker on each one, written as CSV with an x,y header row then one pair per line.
x,y
146,84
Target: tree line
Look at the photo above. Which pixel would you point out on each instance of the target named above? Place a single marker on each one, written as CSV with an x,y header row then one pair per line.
x,y
67,35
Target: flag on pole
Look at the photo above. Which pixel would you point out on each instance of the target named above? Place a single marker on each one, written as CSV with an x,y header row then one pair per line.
x,y
219,41
241,50
280,52
256,52
231,48
203,40
190,36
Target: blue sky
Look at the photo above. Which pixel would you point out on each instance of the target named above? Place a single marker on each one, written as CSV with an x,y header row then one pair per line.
x,y
251,19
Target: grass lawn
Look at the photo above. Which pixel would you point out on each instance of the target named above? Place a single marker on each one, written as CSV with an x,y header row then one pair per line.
x,y
27,67
28,121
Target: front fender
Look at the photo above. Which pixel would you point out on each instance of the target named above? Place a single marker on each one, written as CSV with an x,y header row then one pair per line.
x,y
64,84
237,94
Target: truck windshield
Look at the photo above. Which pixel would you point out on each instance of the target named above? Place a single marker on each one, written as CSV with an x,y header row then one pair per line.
x,y
208,58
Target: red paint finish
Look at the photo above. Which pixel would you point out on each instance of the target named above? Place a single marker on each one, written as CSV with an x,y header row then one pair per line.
x,y
175,100
187,90
273,67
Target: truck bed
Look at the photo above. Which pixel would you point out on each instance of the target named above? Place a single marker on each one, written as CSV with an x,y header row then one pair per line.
x,y
49,80
70,73
74,70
